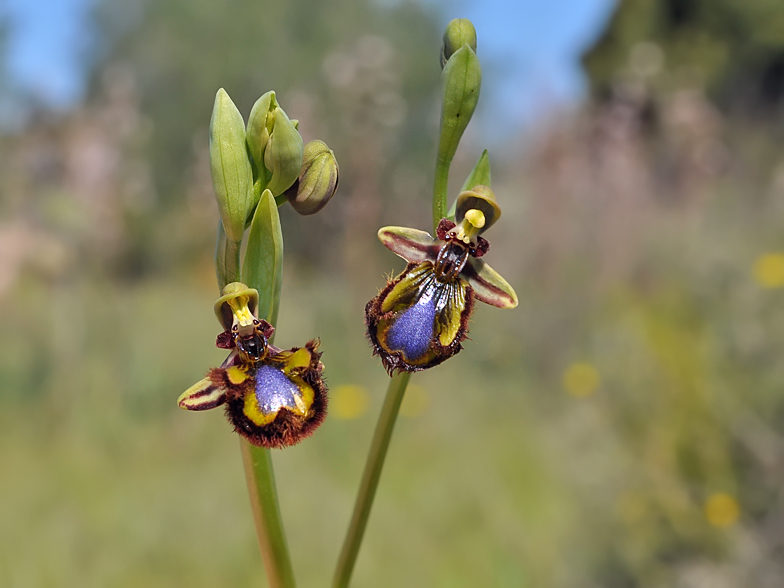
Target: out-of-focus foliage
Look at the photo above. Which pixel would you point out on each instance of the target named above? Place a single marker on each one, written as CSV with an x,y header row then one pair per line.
x,y
734,49
349,71
623,428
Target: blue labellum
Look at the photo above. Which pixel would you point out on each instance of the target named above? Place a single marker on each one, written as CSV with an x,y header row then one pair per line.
x,y
274,390
418,320
412,332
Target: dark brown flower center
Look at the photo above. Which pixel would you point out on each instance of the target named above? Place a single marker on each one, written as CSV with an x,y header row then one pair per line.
x,y
451,259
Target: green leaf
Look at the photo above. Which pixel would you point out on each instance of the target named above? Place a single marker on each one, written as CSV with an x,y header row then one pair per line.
x,y
262,268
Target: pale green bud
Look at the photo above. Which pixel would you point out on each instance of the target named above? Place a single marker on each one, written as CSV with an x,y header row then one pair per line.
x,y
260,126
318,179
458,32
283,154
232,177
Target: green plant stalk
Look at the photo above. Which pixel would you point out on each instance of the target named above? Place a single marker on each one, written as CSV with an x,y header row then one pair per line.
x,y
227,259
257,461
440,189
266,514
370,478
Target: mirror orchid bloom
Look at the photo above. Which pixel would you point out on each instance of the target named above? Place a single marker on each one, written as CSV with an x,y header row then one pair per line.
x,y
421,317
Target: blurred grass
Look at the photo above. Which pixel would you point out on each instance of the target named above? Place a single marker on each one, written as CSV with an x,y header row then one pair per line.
x,y
624,427
502,478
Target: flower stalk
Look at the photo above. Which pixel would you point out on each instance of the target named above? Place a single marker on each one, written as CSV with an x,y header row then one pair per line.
x,y
272,397
461,79
370,478
266,515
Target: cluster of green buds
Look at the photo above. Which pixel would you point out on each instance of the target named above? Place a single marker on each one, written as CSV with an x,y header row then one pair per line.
x,y
266,156
274,398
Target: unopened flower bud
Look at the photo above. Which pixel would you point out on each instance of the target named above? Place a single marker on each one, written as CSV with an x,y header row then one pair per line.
x,y
458,32
232,177
283,153
260,124
318,180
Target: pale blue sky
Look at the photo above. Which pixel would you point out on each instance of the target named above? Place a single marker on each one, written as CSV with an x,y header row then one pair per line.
x,y
529,49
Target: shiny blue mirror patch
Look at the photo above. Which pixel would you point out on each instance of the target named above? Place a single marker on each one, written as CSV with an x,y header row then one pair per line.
x,y
413,330
274,390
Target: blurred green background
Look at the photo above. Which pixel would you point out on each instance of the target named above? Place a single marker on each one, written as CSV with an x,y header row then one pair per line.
x,y
624,427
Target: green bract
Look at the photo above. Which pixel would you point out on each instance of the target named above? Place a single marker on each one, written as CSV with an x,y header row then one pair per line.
x,y
318,179
263,265
480,175
232,177
459,31
461,81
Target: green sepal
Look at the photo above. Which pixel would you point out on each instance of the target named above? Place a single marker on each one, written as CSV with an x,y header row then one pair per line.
x,y
461,81
488,285
480,175
283,155
232,177
262,268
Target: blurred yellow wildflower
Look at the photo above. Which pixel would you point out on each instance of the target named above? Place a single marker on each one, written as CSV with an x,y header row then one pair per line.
x,y
581,379
721,510
768,270
348,402
415,402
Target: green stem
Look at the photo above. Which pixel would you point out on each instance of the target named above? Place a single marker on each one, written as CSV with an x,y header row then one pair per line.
x,y
440,188
227,259
266,514
370,477
257,461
